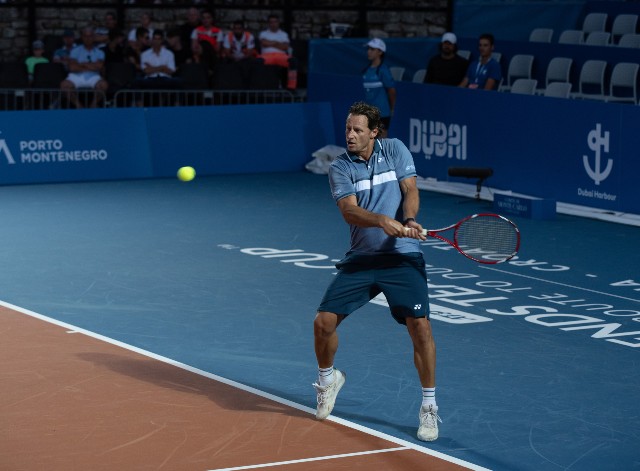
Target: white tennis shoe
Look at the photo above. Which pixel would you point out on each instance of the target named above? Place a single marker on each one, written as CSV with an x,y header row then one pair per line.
x,y
327,395
428,430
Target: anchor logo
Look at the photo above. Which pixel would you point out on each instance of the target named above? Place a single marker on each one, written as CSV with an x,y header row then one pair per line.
x,y
4,149
597,142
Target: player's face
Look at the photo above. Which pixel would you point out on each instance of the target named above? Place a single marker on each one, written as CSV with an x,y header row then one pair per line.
x,y
358,135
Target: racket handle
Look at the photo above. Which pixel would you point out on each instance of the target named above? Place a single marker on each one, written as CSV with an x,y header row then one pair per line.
x,y
425,232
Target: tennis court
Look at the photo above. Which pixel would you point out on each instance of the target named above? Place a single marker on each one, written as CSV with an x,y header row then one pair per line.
x,y
155,324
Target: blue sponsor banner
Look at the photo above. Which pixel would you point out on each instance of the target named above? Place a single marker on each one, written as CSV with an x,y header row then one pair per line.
x,y
574,151
237,139
73,145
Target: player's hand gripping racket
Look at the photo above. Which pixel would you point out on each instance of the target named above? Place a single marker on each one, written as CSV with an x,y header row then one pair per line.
x,y
484,238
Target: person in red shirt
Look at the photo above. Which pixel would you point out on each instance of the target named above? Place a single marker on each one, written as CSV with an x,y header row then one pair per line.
x,y
206,40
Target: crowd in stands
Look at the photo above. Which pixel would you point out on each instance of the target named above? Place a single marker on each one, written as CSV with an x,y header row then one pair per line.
x,y
93,58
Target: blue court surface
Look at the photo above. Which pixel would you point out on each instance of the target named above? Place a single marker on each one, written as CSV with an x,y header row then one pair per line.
x,y
538,358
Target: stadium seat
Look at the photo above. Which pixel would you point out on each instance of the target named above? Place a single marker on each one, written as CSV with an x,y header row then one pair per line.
x,y
397,73
48,75
571,36
464,54
558,70
520,66
598,38
623,24
594,22
14,75
558,90
418,76
541,35
194,76
524,86
591,82
622,86
629,40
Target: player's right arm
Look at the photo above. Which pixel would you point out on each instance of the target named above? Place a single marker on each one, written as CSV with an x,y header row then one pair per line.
x,y
354,214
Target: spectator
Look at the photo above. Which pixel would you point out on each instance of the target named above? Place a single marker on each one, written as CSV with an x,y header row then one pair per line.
x,y
238,43
274,47
206,41
379,86
447,68
158,65
134,50
85,64
186,29
114,51
484,73
37,57
102,32
145,22
68,43
181,53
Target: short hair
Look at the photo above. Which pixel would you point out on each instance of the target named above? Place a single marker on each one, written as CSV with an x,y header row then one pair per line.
x,y
158,32
141,31
238,23
372,113
487,36
115,33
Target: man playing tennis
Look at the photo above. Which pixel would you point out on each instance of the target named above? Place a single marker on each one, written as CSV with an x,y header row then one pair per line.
x,y
375,188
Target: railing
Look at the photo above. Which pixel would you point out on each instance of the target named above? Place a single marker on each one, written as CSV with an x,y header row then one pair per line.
x,y
47,99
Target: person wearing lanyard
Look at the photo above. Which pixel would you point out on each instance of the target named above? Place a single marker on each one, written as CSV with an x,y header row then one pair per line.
x,y
483,73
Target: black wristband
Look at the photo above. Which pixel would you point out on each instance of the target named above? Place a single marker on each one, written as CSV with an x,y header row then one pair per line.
x,y
404,223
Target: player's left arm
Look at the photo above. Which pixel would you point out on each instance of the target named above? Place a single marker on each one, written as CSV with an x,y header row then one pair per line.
x,y
410,207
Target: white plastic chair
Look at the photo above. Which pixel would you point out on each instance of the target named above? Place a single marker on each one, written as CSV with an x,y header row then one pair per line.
x,y
624,76
623,24
558,90
397,73
571,36
598,38
520,66
558,70
418,76
629,40
541,35
523,86
591,82
594,22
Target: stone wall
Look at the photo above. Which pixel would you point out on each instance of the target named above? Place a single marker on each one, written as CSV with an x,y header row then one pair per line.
x,y
422,18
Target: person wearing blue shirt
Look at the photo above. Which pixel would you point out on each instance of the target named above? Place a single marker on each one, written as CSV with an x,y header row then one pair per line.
x,y
374,186
483,73
379,86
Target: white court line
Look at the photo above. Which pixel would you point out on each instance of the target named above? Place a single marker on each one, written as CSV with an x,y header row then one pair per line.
x,y
245,388
563,284
306,460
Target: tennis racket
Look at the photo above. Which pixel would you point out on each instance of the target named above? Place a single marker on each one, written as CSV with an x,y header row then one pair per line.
x,y
484,238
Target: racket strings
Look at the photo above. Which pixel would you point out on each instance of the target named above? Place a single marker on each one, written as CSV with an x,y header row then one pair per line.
x,y
487,234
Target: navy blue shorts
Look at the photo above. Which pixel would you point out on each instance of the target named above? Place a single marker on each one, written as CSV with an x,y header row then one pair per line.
x,y
401,277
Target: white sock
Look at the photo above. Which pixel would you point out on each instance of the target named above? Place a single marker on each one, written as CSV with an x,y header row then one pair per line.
x,y
429,397
326,376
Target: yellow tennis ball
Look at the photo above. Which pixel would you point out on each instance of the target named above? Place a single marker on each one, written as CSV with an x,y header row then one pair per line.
x,y
186,174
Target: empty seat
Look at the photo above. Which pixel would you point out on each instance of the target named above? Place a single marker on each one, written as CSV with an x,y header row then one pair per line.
x,y
622,86
598,38
629,40
14,75
558,90
48,75
194,76
464,53
418,76
397,73
594,22
623,24
524,86
265,77
520,66
230,77
591,82
571,36
558,70
541,35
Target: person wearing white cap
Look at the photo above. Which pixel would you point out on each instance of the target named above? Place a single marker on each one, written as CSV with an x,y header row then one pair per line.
x,y
379,86
447,68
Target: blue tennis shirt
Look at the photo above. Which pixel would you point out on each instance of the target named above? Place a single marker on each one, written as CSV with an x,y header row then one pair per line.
x,y
376,185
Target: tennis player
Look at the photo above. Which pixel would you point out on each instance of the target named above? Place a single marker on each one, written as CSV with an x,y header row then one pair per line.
x,y
374,185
